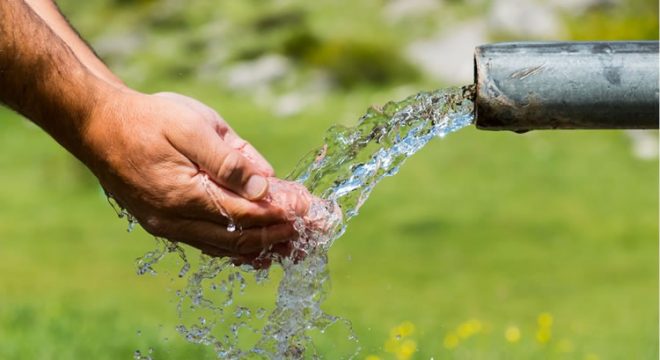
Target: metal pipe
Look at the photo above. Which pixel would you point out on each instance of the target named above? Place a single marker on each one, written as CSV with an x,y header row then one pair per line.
x,y
567,85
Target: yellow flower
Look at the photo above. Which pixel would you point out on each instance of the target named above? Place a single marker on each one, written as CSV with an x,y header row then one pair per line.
x,y
373,357
512,334
543,335
476,325
469,328
545,320
451,341
406,350
406,328
397,344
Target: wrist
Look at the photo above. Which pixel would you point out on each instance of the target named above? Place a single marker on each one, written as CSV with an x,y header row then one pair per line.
x,y
100,137
75,105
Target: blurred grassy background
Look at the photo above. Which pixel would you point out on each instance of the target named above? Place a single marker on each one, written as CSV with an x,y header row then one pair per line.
x,y
478,235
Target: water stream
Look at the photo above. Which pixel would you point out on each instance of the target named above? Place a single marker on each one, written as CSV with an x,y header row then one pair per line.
x,y
341,173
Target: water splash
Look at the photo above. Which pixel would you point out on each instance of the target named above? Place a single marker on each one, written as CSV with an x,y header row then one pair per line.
x,y
121,212
342,173
138,355
353,160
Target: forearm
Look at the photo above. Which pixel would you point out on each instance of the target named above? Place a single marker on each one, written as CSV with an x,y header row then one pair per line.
x,y
51,15
41,78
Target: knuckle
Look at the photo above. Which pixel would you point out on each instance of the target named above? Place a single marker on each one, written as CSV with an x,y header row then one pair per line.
x,y
239,144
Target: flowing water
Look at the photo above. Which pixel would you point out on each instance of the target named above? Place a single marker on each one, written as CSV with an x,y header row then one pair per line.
x,y
341,174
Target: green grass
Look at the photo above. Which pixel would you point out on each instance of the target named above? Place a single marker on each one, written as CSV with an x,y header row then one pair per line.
x,y
497,227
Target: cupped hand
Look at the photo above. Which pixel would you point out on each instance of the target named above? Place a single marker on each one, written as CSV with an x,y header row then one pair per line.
x,y
184,174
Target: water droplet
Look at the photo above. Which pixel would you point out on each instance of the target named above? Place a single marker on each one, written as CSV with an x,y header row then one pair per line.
x,y
261,312
231,227
184,270
131,223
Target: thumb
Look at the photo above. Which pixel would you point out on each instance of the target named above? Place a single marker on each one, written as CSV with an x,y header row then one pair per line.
x,y
225,165
249,152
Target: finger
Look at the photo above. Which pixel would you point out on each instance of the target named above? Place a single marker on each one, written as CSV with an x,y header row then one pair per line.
x,y
225,165
256,239
210,202
238,242
289,195
249,152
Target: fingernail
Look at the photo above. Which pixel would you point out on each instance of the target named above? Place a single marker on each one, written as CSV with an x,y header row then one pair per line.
x,y
256,187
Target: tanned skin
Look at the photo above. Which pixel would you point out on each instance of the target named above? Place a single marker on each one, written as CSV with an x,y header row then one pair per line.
x,y
173,162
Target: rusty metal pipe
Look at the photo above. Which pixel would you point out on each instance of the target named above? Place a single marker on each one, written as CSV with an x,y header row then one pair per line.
x,y
567,85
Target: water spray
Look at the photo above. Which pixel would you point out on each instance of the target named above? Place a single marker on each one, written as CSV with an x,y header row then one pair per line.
x,y
566,85
519,87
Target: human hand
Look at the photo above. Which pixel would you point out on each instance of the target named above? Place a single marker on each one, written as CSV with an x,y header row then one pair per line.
x,y
316,222
184,174
172,162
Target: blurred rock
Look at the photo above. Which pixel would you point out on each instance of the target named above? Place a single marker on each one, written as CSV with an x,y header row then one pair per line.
x,y
525,19
644,143
290,104
257,73
316,87
398,9
448,57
